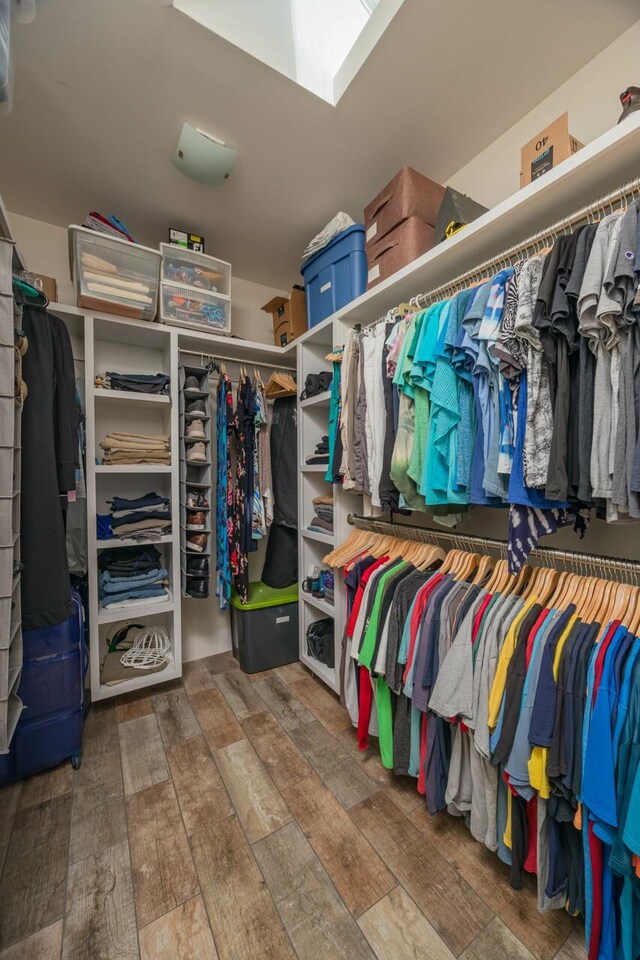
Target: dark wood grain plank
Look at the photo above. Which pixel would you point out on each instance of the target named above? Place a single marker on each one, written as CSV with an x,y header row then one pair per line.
x,y
359,875
496,940
32,889
217,720
175,716
44,945
47,785
257,801
542,933
201,793
286,708
282,760
9,800
163,872
395,928
132,705
402,790
428,878
98,818
240,694
307,901
333,764
322,703
573,948
143,758
291,672
243,918
196,677
219,663
183,933
100,919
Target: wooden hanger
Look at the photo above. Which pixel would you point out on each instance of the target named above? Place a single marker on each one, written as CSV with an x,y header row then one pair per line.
x,y
484,568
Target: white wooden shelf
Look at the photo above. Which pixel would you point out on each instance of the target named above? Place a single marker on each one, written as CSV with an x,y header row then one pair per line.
x,y
112,544
314,468
320,537
325,673
602,165
170,672
321,400
132,468
322,605
129,398
109,615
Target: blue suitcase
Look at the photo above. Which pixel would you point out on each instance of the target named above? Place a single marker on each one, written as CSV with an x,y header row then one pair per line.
x,y
51,688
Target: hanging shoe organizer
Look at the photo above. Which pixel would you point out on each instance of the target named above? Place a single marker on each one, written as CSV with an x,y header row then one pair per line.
x,y
11,399
195,481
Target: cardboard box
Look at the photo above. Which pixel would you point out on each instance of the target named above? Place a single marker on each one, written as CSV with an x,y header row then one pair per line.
x,y
401,246
47,285
289,316
409,194
547,150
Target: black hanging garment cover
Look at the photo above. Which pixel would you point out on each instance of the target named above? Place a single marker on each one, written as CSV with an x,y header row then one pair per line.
x,y
49,454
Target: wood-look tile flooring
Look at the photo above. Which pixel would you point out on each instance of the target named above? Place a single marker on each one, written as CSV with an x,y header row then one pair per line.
x,y
233,817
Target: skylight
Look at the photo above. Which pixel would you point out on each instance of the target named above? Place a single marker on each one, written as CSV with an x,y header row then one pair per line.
x,y
319,44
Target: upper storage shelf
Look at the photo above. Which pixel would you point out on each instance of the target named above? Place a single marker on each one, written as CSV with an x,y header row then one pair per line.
x,y
607,162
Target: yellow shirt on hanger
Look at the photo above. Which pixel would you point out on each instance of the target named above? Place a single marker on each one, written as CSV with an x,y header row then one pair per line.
x,y
537,764
504,659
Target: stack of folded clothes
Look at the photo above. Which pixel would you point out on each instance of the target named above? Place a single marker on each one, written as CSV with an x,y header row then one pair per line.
x,y
321,454
322,520
120,447
131,576
134,382
143,519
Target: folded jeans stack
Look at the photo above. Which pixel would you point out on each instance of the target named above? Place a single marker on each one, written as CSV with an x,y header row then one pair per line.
x,y
131,576
321,454
134,382
145,518
322,520
121,447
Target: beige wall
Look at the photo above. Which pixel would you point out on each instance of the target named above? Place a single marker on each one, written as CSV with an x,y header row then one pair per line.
x,y
45,248
591,98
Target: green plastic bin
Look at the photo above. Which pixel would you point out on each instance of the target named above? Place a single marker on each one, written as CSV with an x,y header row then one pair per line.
x,y
264,631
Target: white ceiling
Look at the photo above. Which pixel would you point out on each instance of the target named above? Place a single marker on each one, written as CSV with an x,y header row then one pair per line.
x,y
102,89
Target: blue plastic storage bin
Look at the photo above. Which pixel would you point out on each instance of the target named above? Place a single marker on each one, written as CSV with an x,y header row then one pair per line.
x,y
336,275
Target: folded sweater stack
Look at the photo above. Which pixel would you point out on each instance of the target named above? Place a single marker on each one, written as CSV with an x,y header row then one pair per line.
x,y
322,520
103,277
321,454
143,519
131,576
135,448
157,383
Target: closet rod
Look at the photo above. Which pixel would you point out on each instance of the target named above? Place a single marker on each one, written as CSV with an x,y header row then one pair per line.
x,y
581,562
532,243
250,363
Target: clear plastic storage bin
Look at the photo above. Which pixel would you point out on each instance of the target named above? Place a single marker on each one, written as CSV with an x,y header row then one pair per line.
x,y
114,276
191,307
192,269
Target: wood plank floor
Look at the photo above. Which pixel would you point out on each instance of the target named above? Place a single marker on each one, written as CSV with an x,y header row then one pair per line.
x,y
233,818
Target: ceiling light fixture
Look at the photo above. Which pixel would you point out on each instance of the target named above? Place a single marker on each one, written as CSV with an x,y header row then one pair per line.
x,y
203,157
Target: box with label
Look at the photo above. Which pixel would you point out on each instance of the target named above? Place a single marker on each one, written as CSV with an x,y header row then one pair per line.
x,y
547,150
401,246
409,194
44,284
191,241
289,316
